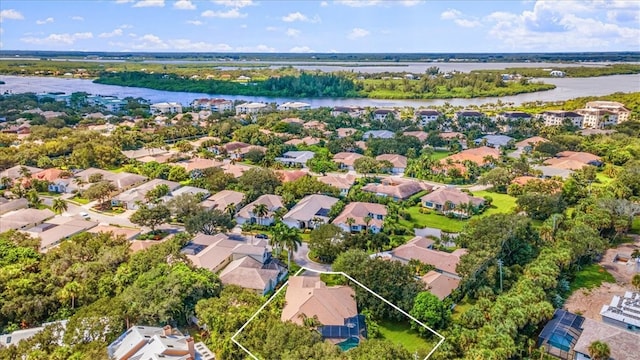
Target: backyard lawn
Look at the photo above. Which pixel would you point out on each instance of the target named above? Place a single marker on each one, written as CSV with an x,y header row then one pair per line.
x,y
401,333
635,226
502,203
438,155
590,277
80,200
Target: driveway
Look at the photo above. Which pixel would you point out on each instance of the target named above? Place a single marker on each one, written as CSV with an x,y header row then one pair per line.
x,y
301,257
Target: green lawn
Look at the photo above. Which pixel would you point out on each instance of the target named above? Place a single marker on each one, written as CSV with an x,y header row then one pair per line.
x,y
590,277
80,200
635,226
438,155
401,333
502,203
460,308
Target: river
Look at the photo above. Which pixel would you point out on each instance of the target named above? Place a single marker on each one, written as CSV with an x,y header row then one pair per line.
x,y
566,88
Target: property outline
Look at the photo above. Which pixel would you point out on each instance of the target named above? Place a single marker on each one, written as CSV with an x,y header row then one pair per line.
x,y
233,338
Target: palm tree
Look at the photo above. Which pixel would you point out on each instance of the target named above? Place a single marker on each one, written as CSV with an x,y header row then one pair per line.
x,y
260,211
59,206
635,281
33,198
288,238
25,172
350,221
599,350
367,220
230,209
5,182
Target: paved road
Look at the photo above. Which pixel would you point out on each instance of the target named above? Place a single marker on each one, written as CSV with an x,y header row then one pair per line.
x,y
301,257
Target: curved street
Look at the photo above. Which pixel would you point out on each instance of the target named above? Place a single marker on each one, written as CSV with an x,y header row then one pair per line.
x,y
301,257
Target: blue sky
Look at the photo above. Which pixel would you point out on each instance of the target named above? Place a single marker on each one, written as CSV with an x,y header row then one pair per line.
x,y
320,26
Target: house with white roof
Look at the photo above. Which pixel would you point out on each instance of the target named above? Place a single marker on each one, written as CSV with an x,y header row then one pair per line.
x,y
154,343
165,108
378,134
296,158
310,212
250,108
294,105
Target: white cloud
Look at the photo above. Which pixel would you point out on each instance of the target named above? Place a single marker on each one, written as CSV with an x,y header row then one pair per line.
x,y
116,32
324,3
459,19
149,3
292,32
188,45
45,21
125,26
259,48
184,5
271,28
77,18
357,33
58,39
301,49
123,1
567,26
195,22
358,3
409,3
10,14
234,3
244,26
296,16
450,14
230,14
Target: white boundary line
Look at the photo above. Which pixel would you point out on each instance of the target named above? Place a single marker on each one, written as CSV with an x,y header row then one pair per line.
x,y
233,338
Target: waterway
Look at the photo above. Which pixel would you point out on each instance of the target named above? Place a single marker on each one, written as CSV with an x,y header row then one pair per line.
x,y
566,88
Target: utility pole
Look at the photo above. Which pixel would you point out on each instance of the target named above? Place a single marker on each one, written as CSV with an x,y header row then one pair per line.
x,y
500,267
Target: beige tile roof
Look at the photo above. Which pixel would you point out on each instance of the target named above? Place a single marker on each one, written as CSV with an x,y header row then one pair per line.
x,y
475,155
344,132
248,273
198,163
532,141
400,189
347,158
223,198
622,343
420,135
307,208
128,233
572,160
398,161
338,181
291,175
310,296
273,202
452,194
439,284
416,249
236,170
358,211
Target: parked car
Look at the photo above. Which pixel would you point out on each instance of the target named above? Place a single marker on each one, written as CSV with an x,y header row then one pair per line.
x,y
262,236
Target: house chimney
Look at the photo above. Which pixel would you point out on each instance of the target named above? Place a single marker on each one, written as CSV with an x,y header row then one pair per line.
x,y
191,347
166,330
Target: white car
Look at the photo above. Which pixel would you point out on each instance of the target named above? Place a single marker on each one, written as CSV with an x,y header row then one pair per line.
x,y
84,215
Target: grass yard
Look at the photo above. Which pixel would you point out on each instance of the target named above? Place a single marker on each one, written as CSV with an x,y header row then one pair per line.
x,y
460,308
438,155
401,333
635,226
590,277
80,200
502,203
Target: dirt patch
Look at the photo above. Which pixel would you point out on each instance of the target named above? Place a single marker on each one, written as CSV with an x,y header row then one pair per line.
x,y
589,302
622,271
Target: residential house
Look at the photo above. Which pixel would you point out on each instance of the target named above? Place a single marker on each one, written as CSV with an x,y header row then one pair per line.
x,y
16,172
623,344
127,233
468,118
508,116
384,114
552,172
423,117
58,179
378,134
558,117
560,335
346,160
235,170
420,135
353,112
213,105
291,175
294,105
452,136
445,278
198,164
223,199
252,274
557,73
24,218
17,336
140,153
237,150
334,307
617,109
247,214
450,199
310,212
360,216
595,118
623,312
308,140
166,108
250,108
191,190
296,158
396,188
294,120
527,145
399,162
132,198
58,229
572,160
495,141
345,132
342,182
121,181
146,342
481,156
315,125
7,205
